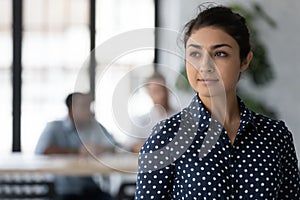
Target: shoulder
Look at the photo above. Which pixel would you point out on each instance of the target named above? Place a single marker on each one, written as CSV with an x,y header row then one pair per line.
x,y
267,123
55,124
99,133
55,127
275,128
51,132
162,133
169,140
97,127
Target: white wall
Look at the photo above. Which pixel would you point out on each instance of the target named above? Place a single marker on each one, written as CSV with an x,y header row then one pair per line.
x,y
283,46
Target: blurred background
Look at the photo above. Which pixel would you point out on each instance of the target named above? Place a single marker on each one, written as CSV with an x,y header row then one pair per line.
x,y
58,36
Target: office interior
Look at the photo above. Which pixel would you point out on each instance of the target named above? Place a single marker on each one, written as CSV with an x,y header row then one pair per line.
x,y
108,48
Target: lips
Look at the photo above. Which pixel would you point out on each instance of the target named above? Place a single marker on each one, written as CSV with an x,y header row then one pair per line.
x,y
208,81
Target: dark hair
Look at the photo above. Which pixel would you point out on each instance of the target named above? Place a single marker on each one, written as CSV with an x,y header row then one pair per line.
x,y
223,18
70,98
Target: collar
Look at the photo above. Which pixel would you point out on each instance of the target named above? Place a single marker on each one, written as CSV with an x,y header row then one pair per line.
x,y
202,117
246,116
199,114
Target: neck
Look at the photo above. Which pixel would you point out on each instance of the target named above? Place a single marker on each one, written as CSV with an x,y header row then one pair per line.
x,y
224,109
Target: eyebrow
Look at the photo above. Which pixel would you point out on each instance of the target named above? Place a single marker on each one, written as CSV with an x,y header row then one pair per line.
x,y
212,47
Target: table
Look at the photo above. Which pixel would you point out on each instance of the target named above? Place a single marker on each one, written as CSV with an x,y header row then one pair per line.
x,y
17,163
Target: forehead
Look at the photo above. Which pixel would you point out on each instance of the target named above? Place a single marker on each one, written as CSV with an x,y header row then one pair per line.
x,y
210,36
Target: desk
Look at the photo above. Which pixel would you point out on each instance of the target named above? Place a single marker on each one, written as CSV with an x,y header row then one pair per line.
x,y
68,165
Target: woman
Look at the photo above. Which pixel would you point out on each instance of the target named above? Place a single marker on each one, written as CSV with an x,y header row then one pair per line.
x,y
217,148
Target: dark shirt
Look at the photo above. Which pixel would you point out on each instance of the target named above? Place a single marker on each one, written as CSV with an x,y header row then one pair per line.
x,y
189,156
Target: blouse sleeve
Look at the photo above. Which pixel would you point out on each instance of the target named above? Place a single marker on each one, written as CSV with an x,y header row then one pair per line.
x,y
290,188
155,171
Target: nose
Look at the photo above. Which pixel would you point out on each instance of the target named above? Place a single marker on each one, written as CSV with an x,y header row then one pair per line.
x,y
206,64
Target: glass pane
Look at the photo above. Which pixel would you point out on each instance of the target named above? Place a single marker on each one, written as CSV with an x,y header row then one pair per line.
x,y
5,76
55,46
118,77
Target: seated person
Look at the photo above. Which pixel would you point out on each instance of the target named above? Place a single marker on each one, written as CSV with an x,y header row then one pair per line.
x,y
159,94
79,133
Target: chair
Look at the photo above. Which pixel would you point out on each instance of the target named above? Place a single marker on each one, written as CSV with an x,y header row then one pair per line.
x,y
126,191
18,186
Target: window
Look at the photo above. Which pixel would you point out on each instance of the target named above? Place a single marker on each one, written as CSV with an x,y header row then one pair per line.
x,y
5,75
118,80
55,47
55,44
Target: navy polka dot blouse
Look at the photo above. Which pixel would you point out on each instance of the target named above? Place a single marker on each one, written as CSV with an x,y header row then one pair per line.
x,y
189,156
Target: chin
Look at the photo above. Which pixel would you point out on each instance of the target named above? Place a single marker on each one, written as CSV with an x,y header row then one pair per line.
x,y
211,94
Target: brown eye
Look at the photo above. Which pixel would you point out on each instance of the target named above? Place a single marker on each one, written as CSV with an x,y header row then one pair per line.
x,y
221,54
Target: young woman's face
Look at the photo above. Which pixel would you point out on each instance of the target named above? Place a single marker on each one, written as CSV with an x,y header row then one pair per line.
x,y
213,62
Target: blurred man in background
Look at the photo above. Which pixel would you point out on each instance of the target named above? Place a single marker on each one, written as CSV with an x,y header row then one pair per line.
x,y
79,133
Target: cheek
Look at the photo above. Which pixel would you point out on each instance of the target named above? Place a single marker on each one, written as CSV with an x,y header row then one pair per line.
x,y
190,69
230,76
192,75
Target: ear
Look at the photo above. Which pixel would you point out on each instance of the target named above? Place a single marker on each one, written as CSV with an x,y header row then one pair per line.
x,y
246,62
